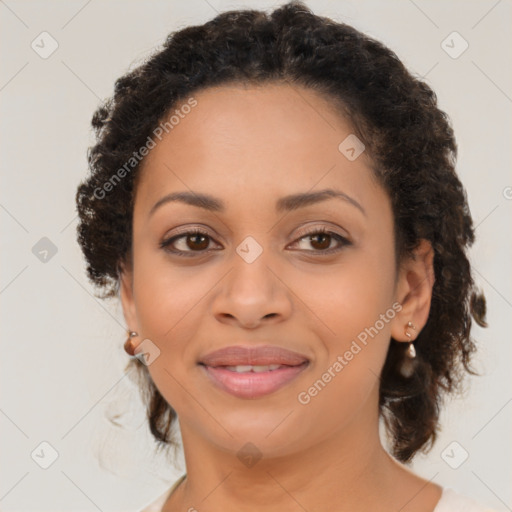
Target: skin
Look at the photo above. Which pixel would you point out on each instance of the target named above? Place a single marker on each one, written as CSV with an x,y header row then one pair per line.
x,y
249,146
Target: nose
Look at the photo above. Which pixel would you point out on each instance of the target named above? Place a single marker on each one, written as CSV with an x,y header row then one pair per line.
x,y
252,294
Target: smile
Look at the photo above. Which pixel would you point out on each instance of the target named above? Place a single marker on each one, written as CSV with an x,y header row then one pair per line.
x,y
252,371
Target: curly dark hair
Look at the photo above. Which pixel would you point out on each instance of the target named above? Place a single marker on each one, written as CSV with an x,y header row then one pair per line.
x,y
410,142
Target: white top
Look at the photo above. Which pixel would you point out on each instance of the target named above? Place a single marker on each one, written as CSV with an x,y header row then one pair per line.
x,y
450,501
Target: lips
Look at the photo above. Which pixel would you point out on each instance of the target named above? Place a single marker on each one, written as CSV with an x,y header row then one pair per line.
x,y
253,356
252,372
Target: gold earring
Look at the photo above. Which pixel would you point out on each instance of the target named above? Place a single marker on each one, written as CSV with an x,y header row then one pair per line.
x,y
128,346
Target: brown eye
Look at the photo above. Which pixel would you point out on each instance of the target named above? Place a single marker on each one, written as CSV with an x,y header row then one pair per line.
x,y
186,244
197,241
321,240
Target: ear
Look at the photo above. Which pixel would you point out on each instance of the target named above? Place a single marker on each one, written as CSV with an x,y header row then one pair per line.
x,y
414,292
127,300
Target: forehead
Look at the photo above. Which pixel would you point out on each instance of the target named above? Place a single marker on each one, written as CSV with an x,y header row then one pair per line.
x,y
252,117
271,138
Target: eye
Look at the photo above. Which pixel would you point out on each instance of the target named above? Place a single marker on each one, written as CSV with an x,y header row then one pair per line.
x,y
323,238
198,241
193,241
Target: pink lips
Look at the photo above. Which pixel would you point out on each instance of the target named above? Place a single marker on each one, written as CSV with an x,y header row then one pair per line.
x,y
252,384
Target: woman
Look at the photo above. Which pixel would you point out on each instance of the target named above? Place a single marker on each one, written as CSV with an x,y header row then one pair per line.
x,y
275,202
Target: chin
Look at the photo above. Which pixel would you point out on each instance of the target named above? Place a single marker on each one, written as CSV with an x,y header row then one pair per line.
x,y
271,432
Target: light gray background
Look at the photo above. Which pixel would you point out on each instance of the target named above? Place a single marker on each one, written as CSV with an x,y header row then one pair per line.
x,y
62,358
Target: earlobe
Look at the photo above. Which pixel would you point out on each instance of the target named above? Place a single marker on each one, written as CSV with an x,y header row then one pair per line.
x,y
414,293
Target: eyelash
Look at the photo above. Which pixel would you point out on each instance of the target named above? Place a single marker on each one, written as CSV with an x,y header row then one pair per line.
x,y
168,242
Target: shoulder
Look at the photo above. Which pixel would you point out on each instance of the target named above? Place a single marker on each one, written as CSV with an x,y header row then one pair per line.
x,y
157,504
452,501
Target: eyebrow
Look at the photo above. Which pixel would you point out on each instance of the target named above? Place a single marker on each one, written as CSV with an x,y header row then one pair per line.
x,y
284,204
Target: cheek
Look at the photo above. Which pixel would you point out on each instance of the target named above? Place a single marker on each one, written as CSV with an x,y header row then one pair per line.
x,y
168,310
359,314
165,293
351,296
355,305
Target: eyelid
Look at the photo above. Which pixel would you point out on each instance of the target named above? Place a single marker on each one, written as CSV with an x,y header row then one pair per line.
x,y
181,232
188,228
304,231
322,229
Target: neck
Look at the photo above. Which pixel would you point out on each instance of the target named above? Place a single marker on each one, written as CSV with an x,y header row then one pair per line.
x,y
349,470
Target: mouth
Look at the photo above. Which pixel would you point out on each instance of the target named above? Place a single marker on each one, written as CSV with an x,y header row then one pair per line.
x,y
252,372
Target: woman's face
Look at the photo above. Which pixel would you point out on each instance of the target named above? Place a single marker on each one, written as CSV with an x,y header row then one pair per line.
x,y
256,278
